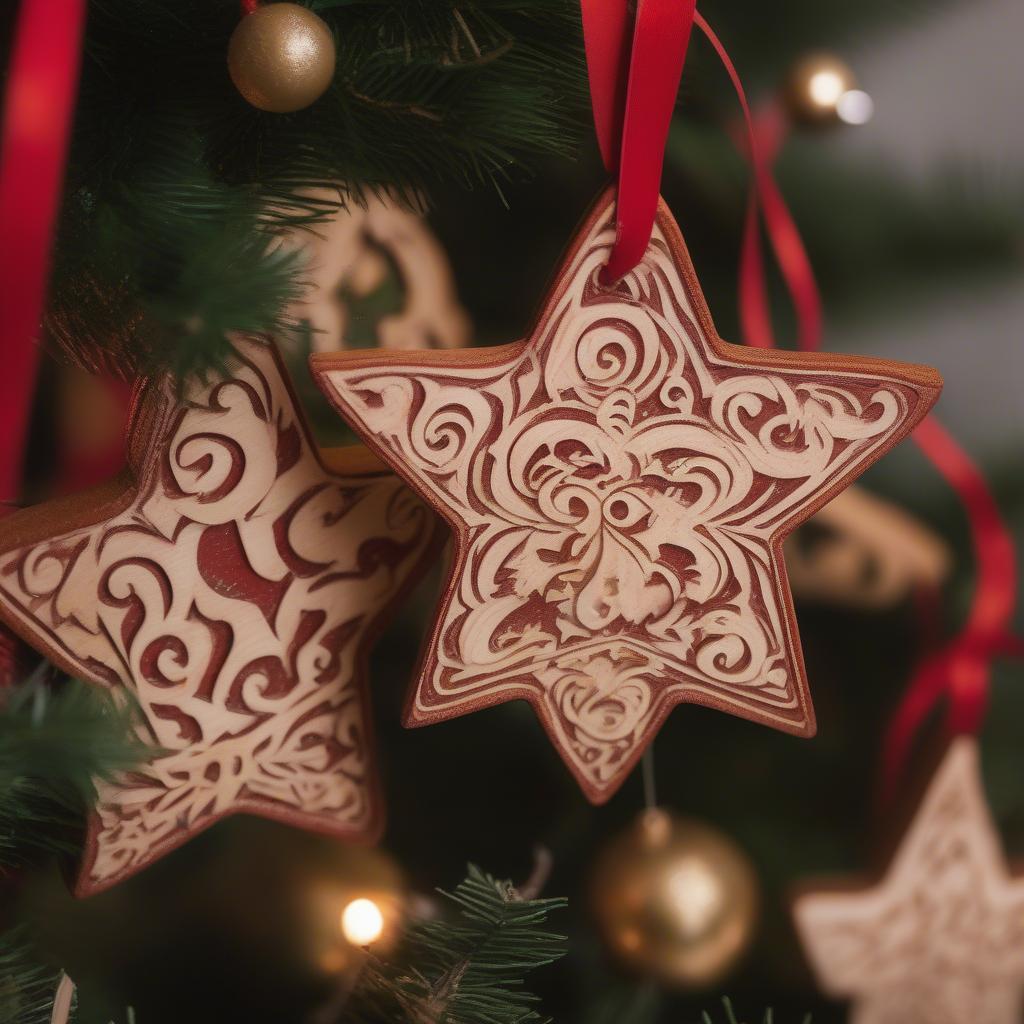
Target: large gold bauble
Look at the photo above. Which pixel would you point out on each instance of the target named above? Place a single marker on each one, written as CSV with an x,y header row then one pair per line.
x,y
281,57
815,87
676,900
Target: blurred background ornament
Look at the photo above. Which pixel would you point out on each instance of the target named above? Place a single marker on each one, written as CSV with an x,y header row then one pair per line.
x,y
375,276
676,900
865,552
364,249
281,57
941,936
820,89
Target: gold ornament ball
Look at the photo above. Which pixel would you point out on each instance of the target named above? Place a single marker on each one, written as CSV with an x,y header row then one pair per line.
x,y
281,57
676,900
815,87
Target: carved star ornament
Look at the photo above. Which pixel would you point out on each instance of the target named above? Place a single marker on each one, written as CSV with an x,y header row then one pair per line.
x,y
940,939
619,485
232,579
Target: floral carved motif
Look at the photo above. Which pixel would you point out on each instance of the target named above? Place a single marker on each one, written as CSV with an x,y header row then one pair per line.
x,y
619,485
231,582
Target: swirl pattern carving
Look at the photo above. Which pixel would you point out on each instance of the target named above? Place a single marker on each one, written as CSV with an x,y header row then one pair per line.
x,y
232,589
619,484
941,938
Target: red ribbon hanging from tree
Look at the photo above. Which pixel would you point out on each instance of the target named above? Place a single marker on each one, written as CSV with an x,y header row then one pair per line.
x,y
960,671
36,125
633,93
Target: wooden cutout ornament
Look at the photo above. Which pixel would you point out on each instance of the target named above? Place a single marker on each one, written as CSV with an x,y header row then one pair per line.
x,y
873,554
232,579
352,250
619,485
940,939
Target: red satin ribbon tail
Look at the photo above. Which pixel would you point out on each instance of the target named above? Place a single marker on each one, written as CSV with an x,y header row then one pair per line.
x,y
961,673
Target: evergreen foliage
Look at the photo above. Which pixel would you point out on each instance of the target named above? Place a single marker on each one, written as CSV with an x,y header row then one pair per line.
x,y
467,971
731,1018
53,744
176,187
26,988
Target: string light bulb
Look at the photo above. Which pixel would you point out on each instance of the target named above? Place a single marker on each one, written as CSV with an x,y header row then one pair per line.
x,y
362,922
821,89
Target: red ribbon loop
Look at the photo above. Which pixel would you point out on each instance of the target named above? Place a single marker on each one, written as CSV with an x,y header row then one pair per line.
x,y
633,92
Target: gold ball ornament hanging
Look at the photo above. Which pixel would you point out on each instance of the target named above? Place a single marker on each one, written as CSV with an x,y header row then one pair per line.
x,y
821,90
676,900
281,57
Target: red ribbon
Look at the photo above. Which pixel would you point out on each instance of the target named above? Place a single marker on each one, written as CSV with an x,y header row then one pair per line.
x,y
961,670
33,147
633,87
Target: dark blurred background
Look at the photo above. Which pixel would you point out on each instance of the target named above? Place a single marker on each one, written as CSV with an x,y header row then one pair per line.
x,y
913,222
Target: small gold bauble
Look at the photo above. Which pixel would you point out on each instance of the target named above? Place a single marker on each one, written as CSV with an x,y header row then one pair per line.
x,y
281,57
814,88
676,900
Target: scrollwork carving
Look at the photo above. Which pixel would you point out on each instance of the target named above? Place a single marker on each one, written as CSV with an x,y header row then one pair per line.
x,y
231,589
619,484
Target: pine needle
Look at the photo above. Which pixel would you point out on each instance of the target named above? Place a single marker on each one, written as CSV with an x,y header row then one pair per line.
x,y
470,970
54,744
176,187
731,1018
26,988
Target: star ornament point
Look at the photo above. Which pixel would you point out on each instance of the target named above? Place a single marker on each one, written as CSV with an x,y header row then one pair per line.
x,y
232,579
940,938
619,485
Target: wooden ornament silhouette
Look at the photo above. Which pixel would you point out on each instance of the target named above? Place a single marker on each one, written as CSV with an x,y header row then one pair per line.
x,y
940,939
869,553
619,485
232,578
353,251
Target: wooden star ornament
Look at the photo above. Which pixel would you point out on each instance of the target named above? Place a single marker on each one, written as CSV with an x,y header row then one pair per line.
x,y
940,939
619,485
232,578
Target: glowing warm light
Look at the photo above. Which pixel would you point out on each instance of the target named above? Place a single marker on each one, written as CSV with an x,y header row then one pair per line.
x,y
855,107
696,895
362,922
825,88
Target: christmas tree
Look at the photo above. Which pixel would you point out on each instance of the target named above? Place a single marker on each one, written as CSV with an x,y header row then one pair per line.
x,y
407,183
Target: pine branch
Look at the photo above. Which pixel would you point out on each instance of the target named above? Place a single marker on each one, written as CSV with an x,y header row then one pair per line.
x,y
467,971
731,1018
26,988
176,186
53,746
